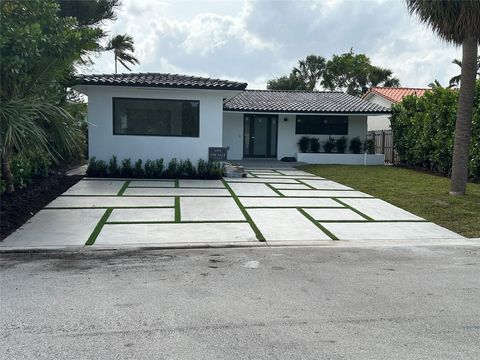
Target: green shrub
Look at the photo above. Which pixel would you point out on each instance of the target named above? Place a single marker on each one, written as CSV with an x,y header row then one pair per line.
x,y
369,146
172,169
215,170
423,130
304,144
341,144
138,171
113,169
127,169
92,167
355,145
148,169
314,145
202,169
187,169
329,145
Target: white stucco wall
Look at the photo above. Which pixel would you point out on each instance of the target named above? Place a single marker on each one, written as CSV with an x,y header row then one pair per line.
x,y
103,144
287,139
233,135
379,122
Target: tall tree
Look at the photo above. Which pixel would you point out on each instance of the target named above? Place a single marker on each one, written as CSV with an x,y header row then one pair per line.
x,y
310,70
455,81
458,22
122,47
290,82
89,12
39,49
355,74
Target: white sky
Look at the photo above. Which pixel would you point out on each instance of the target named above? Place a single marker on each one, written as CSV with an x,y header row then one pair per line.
x,y
255,41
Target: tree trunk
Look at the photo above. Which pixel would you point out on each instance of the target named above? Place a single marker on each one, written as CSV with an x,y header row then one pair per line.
x,y
7,172
463,125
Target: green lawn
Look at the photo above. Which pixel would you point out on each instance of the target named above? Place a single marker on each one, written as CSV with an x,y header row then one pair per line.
x,y
420,193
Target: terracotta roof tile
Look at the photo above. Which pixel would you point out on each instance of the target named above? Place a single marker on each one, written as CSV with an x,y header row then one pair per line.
x,y
395,94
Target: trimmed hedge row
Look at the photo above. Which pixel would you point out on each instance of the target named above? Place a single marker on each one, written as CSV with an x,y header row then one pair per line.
x,y
154,169
423,129
312,144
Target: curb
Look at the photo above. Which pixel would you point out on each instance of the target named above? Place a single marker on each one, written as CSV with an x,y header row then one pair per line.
x,y
264,245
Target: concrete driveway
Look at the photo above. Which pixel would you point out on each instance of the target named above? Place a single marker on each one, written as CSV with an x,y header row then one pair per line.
x,y
282,206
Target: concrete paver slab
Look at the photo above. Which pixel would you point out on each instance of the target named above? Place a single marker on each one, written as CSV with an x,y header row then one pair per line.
x,y
209,209
290,186
95,187
143,214
389,231
294,172
151,183
201,183
269,202
278,176
151,234
252,189
334,214
56,228
176,192
285,224
259,180
326,185
109,201
324,193
380,210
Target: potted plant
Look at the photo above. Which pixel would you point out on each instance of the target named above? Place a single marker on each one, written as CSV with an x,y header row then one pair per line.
x,y
329,145
355,145
303,144
314,145
341,144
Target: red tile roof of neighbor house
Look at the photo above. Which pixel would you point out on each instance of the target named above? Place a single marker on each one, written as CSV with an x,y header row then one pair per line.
x,y
395,94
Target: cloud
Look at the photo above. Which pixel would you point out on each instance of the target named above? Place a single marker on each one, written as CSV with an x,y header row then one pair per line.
x,y
255,41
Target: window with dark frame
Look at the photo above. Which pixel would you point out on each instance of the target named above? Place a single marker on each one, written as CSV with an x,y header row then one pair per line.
x,y
156,117
321,125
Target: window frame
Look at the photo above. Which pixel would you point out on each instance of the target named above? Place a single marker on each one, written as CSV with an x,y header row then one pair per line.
x,y
322,116
153,99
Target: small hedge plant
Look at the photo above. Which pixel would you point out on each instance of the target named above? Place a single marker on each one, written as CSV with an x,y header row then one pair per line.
x,y
341,144
355,145
329,145
155,169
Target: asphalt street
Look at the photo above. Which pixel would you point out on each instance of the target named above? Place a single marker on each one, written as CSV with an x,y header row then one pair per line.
x,y
261,303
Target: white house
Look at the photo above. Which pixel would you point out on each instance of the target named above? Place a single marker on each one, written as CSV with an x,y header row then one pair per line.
x,y
386,96
152,115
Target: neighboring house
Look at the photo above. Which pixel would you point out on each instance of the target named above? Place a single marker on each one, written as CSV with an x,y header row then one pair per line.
x,y
386,96
151,115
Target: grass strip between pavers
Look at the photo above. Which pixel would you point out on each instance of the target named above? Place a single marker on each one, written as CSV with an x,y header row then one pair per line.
x,y
175,222
310,186
353,209
254,227
123,188
317,224
177,183
178,215
274,190
98,228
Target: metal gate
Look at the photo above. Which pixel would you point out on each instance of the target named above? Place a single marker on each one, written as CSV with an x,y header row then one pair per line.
x,y
383,140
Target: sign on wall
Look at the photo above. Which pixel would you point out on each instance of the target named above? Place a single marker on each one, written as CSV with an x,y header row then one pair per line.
x,y
217,153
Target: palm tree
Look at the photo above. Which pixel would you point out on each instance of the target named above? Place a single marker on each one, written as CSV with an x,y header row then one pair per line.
x,y
121,45
458,22
455,81
310,70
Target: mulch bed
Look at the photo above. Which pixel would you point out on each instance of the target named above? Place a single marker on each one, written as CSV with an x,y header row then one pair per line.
x,y
21,205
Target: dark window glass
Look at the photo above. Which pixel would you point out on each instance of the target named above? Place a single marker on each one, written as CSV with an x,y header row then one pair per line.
x,y
155,117
321,125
